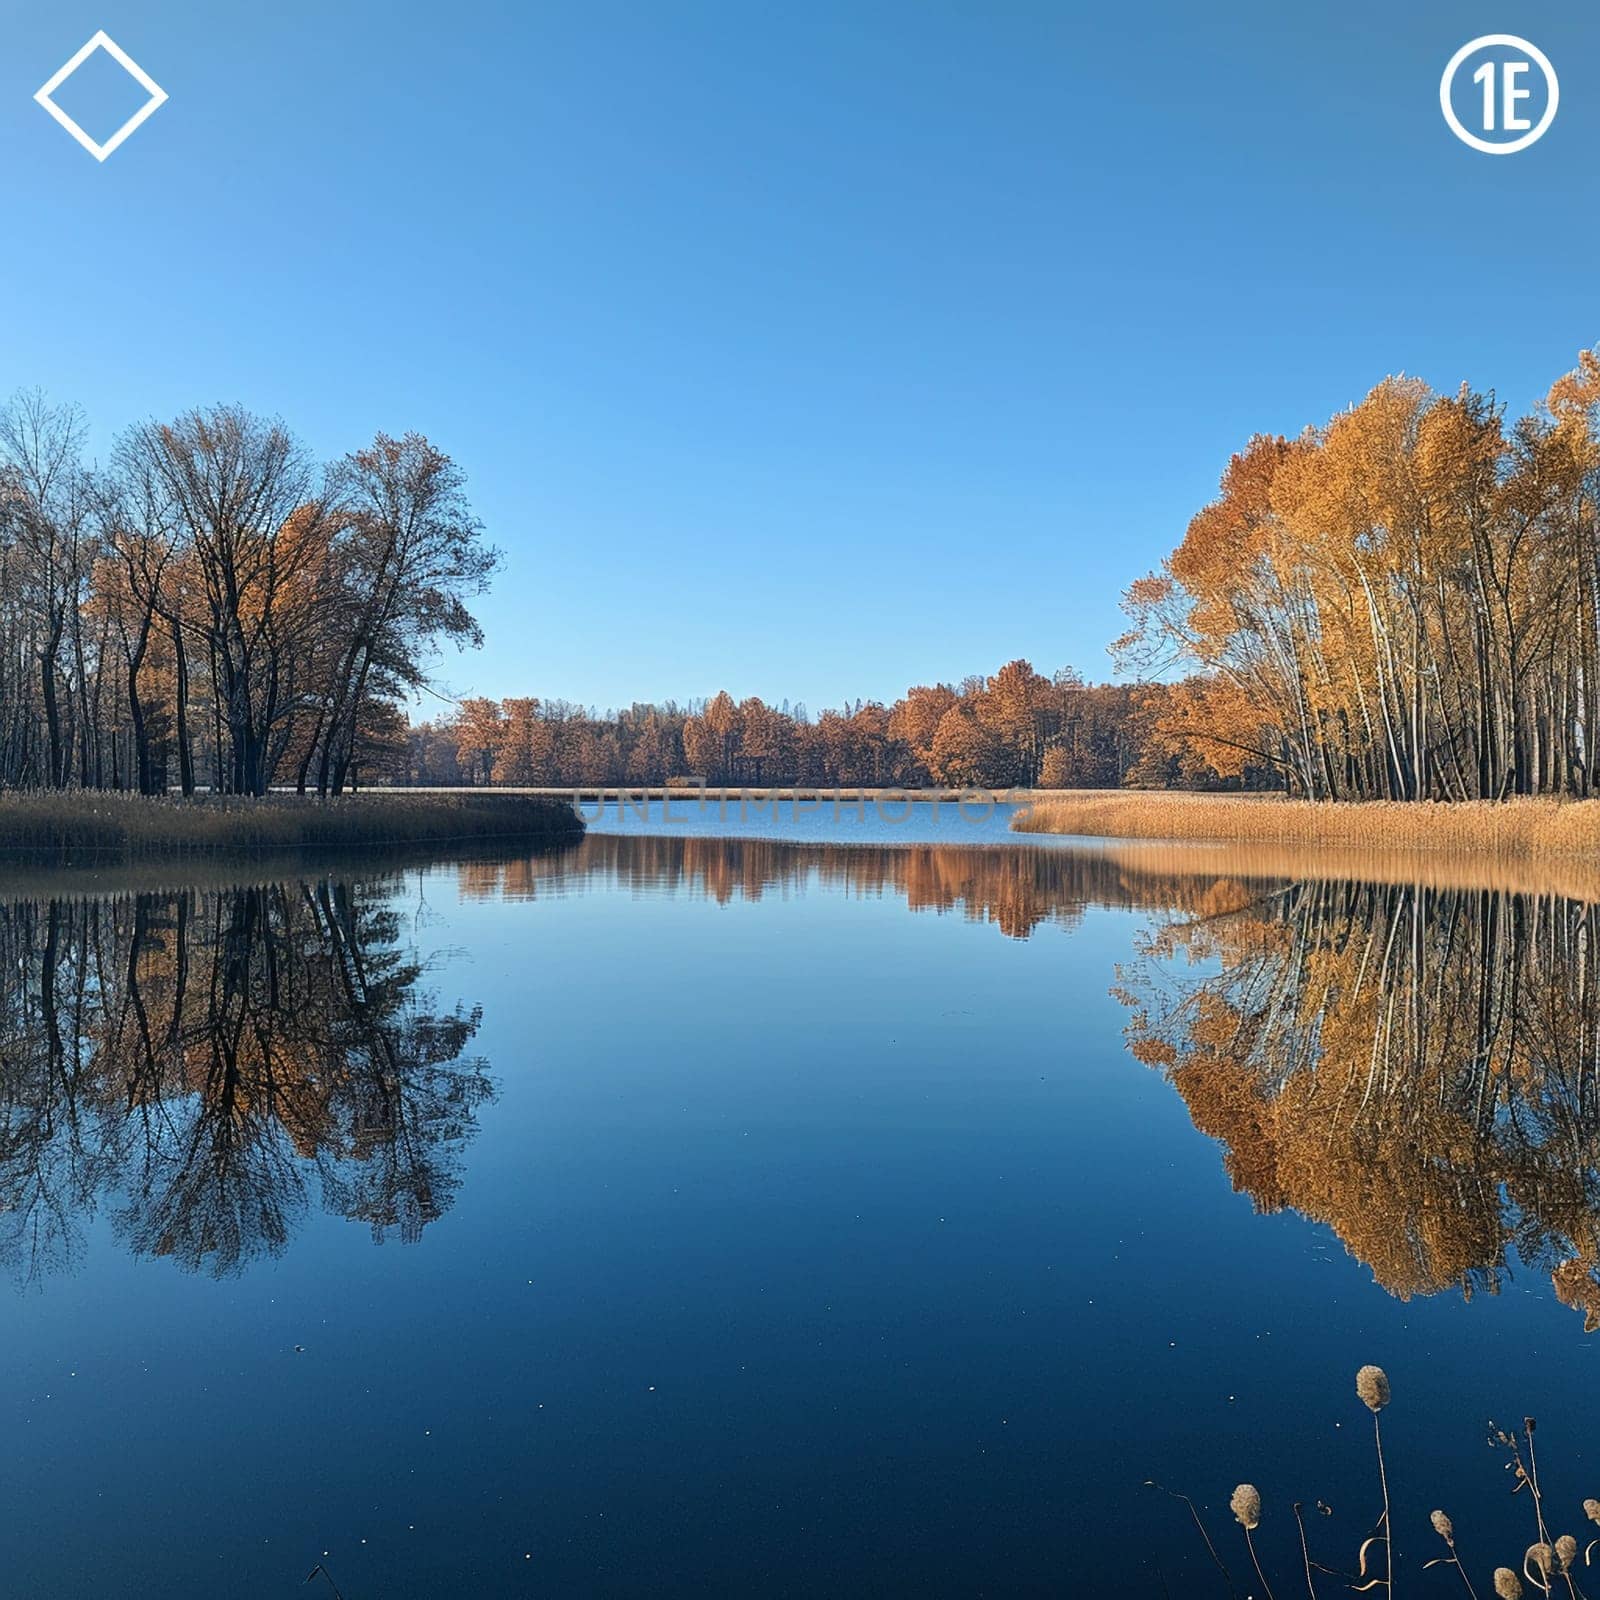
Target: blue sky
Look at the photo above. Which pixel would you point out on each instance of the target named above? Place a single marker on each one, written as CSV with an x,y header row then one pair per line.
x,y
808,351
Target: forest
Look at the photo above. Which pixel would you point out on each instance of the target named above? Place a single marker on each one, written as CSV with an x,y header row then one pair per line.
x,y
1403,604
1013,728
213,608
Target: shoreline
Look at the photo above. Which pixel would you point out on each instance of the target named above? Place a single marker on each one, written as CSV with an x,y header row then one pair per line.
x,y
1519,829
708,794
89,828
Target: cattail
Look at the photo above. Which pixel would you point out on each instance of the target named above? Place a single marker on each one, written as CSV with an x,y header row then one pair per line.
x,y
1541,1556
1566,1551
1507,1584
1591,1509
1442,1525
1372,1385
1246,1505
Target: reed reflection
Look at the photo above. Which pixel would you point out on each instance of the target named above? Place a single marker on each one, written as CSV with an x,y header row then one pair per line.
x,y
1417,1067
201,1062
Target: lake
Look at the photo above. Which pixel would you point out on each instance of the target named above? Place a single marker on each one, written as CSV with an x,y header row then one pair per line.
x,y
847,1206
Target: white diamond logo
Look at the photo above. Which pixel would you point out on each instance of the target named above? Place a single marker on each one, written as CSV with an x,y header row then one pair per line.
x,y
103,41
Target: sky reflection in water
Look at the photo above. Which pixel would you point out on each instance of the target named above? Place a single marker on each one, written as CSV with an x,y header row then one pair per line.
x,y
744,1233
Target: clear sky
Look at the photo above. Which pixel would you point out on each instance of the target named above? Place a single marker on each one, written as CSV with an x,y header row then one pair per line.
x,y
807,351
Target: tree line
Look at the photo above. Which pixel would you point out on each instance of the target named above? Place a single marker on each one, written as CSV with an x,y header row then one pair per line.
x,y
1015,727
212,607
1403,604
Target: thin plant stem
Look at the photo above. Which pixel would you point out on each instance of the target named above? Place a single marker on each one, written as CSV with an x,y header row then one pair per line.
x,y
1233,1588
1528,1477
1161,1578
1305,1551
1533,1483
1251,1544
326,1574
1388,1529
1538,1508
1456,1562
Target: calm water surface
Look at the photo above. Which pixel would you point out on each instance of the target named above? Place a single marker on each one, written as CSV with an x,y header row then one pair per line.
x,y
860,1211
979,819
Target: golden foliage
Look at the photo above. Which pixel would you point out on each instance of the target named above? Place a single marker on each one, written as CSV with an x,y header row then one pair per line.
x,y
1414,1067
1401,604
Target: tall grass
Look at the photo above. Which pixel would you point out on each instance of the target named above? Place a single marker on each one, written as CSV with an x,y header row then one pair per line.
x,y
1550,1565
84,823
1573,877
1505,828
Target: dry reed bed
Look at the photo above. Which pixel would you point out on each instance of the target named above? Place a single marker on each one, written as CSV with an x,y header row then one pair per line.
x,y
1570,877
93,824
1507,829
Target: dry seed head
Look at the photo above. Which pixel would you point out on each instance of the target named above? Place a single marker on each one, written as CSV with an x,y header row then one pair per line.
x,y
1246,1505
1507,1584
1442,1525
1372,1384
1566,1551
1540,1556
1591,1509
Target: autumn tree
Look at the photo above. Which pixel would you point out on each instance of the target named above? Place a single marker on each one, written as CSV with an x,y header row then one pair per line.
x,y
915,719
966,753
215,596
711,739
48,527
1011,727
411,556
254,517
480,737
1403,604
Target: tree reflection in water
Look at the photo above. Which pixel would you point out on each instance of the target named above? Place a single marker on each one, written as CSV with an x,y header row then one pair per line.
x,y
1417,1067
199,1061
1402,1053
1016,888
1410,1059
